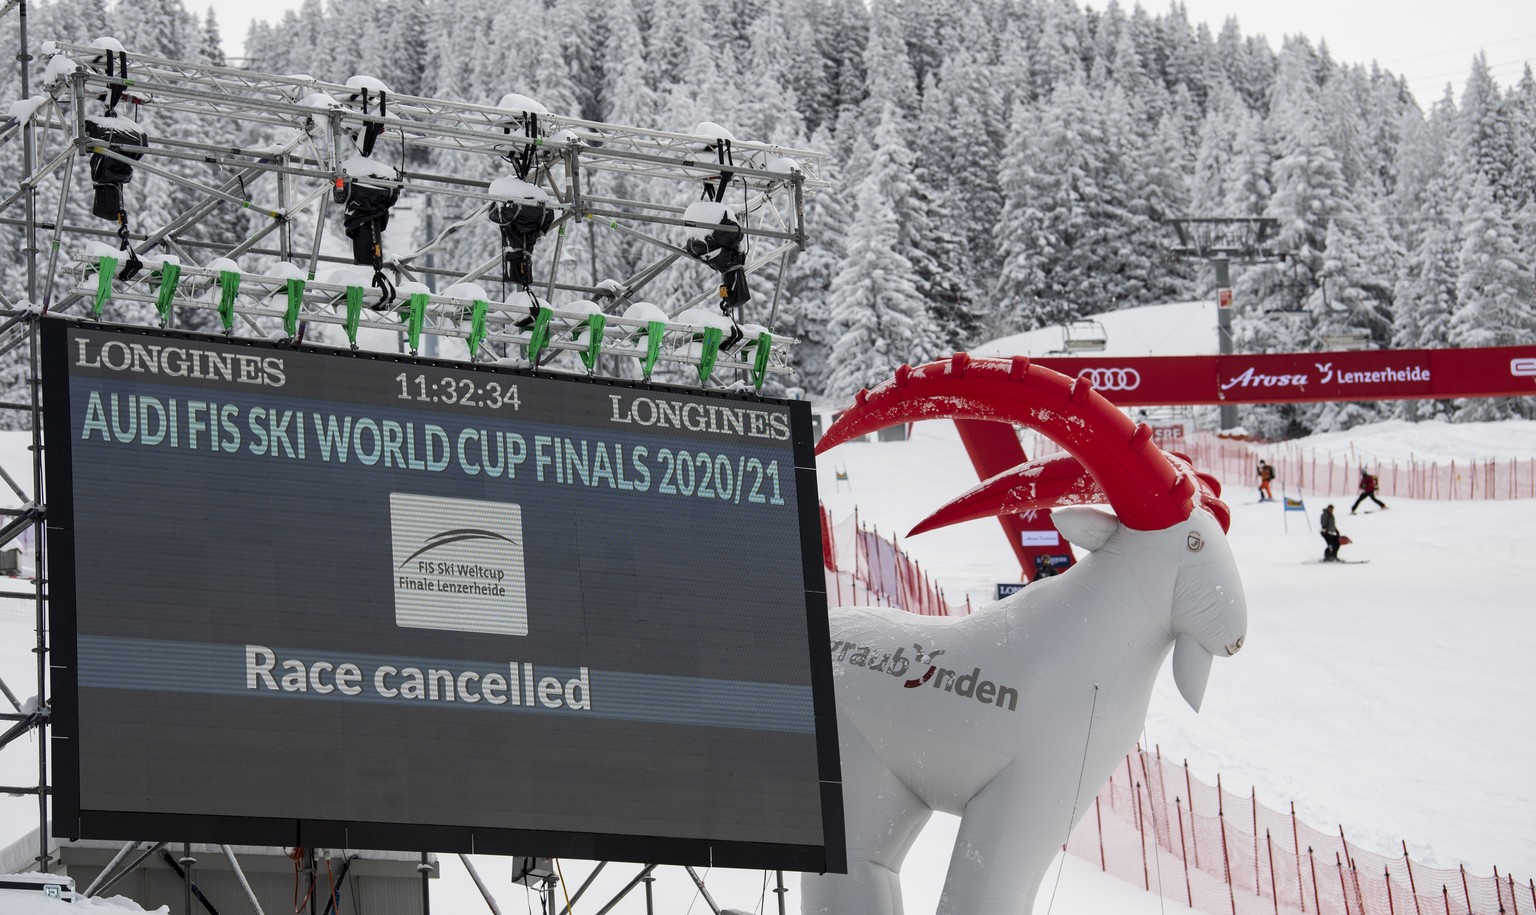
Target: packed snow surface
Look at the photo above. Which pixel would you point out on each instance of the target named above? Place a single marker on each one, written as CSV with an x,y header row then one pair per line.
x,y
1392,698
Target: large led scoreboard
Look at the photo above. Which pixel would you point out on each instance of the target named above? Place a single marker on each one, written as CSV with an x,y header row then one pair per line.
x,y
309,597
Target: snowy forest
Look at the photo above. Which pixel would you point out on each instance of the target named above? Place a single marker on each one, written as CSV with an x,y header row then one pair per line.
x,y
996,165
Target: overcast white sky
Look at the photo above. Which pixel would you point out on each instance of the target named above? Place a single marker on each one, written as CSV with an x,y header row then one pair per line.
x,y
1431,42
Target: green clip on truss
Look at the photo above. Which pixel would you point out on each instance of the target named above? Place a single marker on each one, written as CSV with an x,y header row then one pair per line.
x,y
167,276
538,337
354,312
295,289
594,325
653,335
476,327
229,287
104,270
709,353
760,361
416,311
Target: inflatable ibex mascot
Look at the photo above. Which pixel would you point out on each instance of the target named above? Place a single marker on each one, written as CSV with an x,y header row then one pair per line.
x,y
1015,716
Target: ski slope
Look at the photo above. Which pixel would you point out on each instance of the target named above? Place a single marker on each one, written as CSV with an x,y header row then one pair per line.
x,y
1393,698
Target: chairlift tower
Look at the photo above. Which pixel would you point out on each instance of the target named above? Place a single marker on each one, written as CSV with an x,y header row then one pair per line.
x,y
309,152
1221,240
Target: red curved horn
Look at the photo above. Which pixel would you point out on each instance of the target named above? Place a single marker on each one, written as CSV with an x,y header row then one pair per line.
x,y
1145,489
1045,482
1051,482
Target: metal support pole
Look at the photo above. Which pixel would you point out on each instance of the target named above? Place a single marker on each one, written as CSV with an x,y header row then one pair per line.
x,y
650,902
592,877
28,141
1224,333
122,853
186,876
485,891
115,878
425,870
245,885
703,890
780,891
644,872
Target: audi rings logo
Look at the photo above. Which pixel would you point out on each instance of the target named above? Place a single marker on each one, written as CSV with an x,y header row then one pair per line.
x,y
1524,367
1112,379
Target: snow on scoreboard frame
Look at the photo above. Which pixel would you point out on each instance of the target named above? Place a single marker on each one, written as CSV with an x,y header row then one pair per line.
x,y
140,699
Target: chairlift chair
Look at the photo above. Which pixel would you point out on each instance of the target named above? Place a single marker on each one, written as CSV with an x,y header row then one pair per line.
x,y
1346,338
1084,337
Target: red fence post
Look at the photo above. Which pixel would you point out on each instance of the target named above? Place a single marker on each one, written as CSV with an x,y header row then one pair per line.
x,y
1098,815
1445,893
1226,859
1317,903
1391,906
1413,886
1189,893
1274,894
1194,834
1343,888
1514,901
1464,890
1146,877
1296,847
1354,875
1253,794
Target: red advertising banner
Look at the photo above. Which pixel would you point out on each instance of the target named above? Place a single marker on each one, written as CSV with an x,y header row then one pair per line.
x,y
1422,374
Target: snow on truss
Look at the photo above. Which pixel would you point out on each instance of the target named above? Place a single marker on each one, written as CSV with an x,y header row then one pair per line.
x,y
371,83
645,312
704,217
474,292
520,105
364,167
287,270
516,189
711,132
21,112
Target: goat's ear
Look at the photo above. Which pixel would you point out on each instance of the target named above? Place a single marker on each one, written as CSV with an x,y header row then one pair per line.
x,y
1088,528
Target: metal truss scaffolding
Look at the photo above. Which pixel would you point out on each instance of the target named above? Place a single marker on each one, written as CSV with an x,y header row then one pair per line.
x,y
310,136
240,244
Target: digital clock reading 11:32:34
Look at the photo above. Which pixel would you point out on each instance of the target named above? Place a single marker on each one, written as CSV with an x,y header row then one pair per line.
x,y
464,392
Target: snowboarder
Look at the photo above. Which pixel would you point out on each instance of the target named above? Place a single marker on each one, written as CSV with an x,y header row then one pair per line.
x,y
1330,531
1266,476
1368,485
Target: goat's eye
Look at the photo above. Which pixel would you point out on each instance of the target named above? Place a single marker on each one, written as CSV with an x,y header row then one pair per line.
x,y
1195,542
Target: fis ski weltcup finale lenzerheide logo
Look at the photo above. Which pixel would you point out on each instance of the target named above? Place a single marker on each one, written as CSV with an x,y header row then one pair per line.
x,y
458,564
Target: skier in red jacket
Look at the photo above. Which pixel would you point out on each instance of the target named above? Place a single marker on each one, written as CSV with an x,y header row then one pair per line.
x,y
1367,491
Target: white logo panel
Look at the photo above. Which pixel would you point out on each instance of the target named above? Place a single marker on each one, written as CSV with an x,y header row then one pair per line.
x,y
458,564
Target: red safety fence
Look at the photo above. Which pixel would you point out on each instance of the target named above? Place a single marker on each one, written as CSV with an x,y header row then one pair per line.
x,y
1305,470
1197,844
1220,852
863,569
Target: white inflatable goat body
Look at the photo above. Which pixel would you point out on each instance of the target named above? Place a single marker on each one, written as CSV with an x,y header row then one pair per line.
x,y
1013,717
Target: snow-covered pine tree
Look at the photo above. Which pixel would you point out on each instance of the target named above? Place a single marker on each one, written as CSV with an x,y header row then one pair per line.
x,y
211,48
878,319
1496,291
